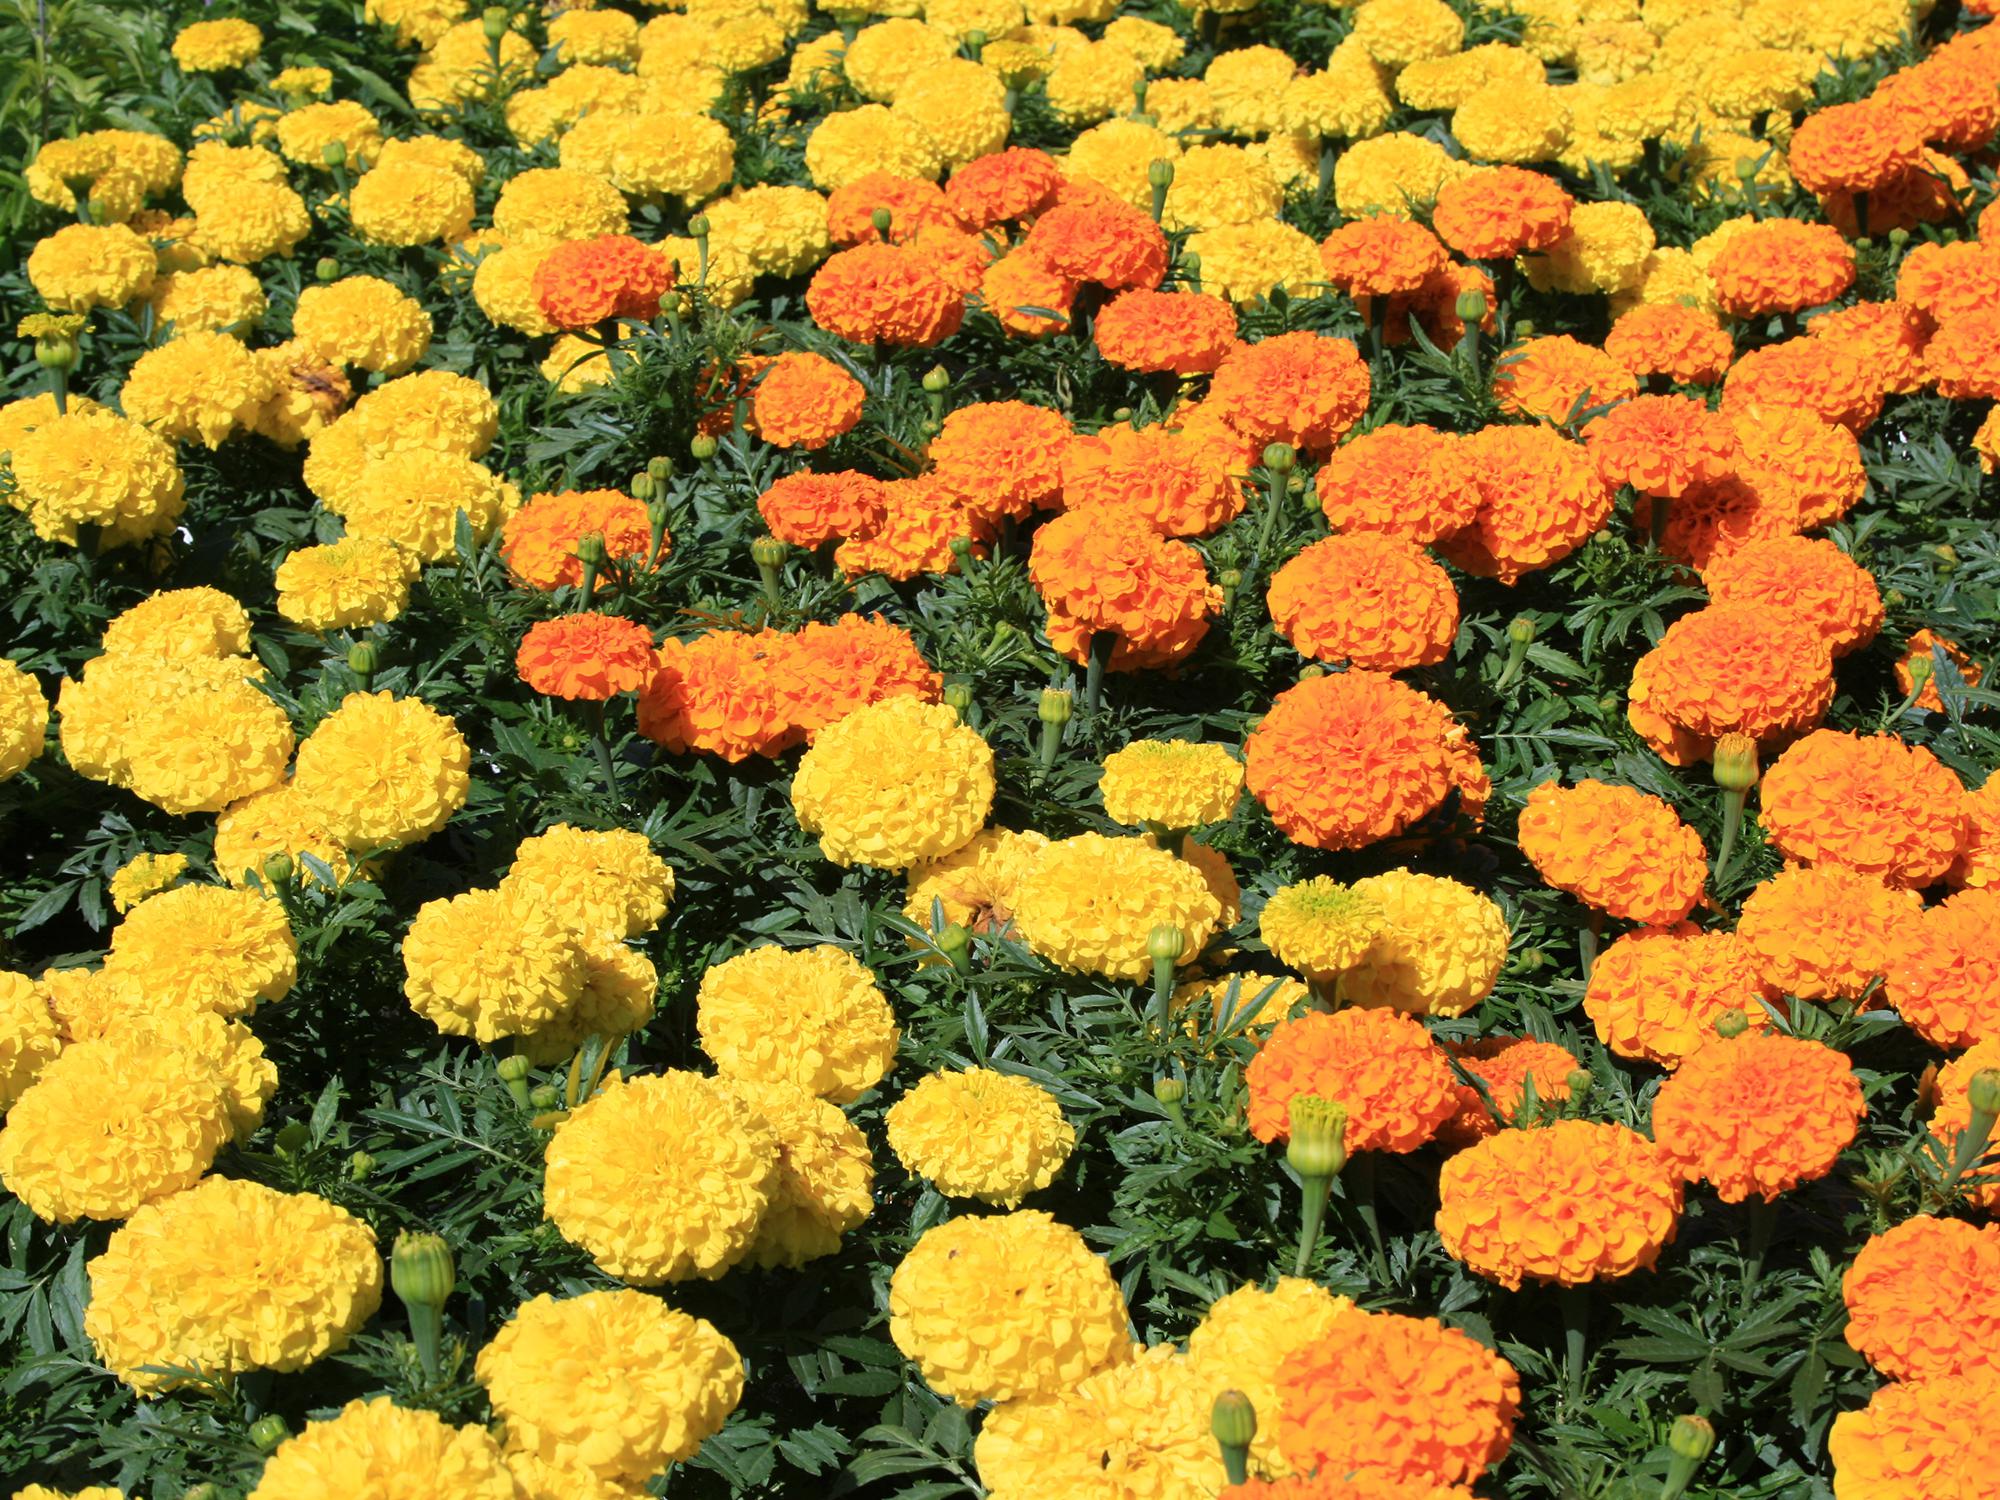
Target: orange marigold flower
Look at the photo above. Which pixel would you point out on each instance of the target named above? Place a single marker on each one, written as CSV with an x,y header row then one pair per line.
x,y
1175,484
1005,187
1305,389
920,521
1660,445
1852,147
883,294
1815,375
1656,993
829,671
1919,1440
1540,497
1729,669
1923,1299
1555,376
580,283
1572,1202
959,259
1027,294
1947,101
724,693
1924,646
1954,1111
1497,213
1978,862
1933,191
1616,848
1109,243
1185,333
1685,344
1381,257
1827,933
1347,760
1945,281
1868,803
1808,577
538,542
808,509
1413,482
1328,1485
804,401
1105,570
1001,458
1758,1113
590,657
1367,598
1780,265
1799,461
1379,1065
1504,1066
1963,356
1716,518
1406,1399
1943,974
1889,337
912,204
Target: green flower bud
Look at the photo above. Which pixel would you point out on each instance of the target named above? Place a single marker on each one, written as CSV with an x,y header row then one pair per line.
x,y
334,154
1160,173
327,268
1169,1091
545,1096
1521,631
590,549
1318,1145
1983,1093
769,552
1280,458
363,657
1732,1023
1056,706
421,1270
882,219
267,1432
937,380
1166,941
1736,762
494,21
660,469
359,1165
514,1068
954,940
642,486
1471,306
702,445
279,869
958,697
1580,1084
1691,1438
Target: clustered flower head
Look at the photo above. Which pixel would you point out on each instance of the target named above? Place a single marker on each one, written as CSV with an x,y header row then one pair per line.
x,y
894,782
1090,904
812,1016
1657,993
1380,1066
1171,784
1758,1113
1616,848
1922,1298
1369,598
978,1133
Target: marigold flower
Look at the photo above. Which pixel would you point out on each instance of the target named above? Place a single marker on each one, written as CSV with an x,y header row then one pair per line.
x,y
1662,445
1244,1339
1604,248
661,1178
1924,646
1978,862
491,963
1852,147
833,1034
1758,1113
613,1383
826,1175
1729,669
1888,336
1439,952
1656,993
539,541
359,581
206,947
1319,926
1870,804
1798,462
29,1035
589,657
976,885
1406,481
912,203
1942,969
1104,570
1497,213
582,282
893,783
1306,389
829,671
1002,1306
1506,122
1175,784
1815,375
1379,1394
1504,1066
1810,577
980,1134
724,692
1381,256
883,294
1007,186
1381,1066
1910,1442
1541,498
199,387
230,1277
374,1447
1001,458
1573,1202
1367,598
1827,933
1923,1299
1186,333
1556,376
1089,904
1945,281
1685,344
1781,265
608,882
1243,262
804,401
1615,848
402,202
1960,358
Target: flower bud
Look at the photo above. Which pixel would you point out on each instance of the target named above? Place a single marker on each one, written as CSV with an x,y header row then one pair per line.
x,y
937,380
1471,307
421,1270
1691,1438
202,1491
974,40
1280,458
958,697
643,487
1318,1146
278,869
545,1096
1736,762
1056,706
1521,631
1160,174
327,268
1894,598
1523,329
1746,168
1947,557
1983,1093
1166,941
268,1431
1230,580
1580,1084
363,657
514,1068
590,549
882,219
960,547
1732,1023
954,940
56,354
359,1165
1169,1090
493,20
1233,1420
1898,238
660,470
702,445
334,154
1310,671
1921,671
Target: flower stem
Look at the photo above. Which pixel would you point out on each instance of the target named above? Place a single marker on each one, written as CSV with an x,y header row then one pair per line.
x,y
427,1333
1102,644
1312,1213
1732,827
1576,1339
1763,1215
593,713
1361,1177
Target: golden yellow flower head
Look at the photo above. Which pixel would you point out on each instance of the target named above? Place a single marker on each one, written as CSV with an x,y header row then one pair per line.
x,y
24,718
144,875
1245,1336
608,882
363,321
379,1448
981,1134
382,771
29,1035
82,266
975,884
1174,784
353,583
812,1016
207,947
1441,951
893,783
826,1174
216,46
1089,903
200,387
489,964
176,624
1319,926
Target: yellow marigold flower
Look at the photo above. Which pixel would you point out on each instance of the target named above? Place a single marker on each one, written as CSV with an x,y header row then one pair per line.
x,y
981,1134
363,321
615,1383
1004,1306
826,1175
29,1035
249,221
1507,122
92,1492
313,83
1093,83
1243,262
813,1017
885,55
1246,84
662,1178
1117,156
310,394
619,996
24,718
229,1277
1158,47
489,964
847,146
1605,249
207,947
1571,1202
216,46
82,266
1319,926
376,1448
547,204
222,299
180,623
1176,784
383,771
957,106
306,134
415,498
437,151
975,884
595,36
1615,848
1388,174
403,202
779,230
1245,1337
893,783
144,875
1445,82
90,1006
111,1124
1439,955
199,387
610,882
433,410
1089,904
345,585
1139,1427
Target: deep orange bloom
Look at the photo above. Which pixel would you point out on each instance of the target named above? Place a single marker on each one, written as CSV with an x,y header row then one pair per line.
x,y
1541,498
1111,244
1758,1113
1963,356
1001,458
912,203
1923,647
580,283
1815,375
883,294
1616,848
804,400
1978,862
1381,257
808,509
1781,265
1177,485
1827,933
1729,669
1186,333
1380,1065
1950,103
831,670
1889,337
1370,599
1934,191
1810,578
1945,281
1943,970
1504,1065
1414,482
1797,460
1954,1109
724,693
1852,147
1716,518
1027,294
1656,993
538,542
1007,186
959,259
1305,389
1923,1299
1571,1202
1868,803
1555,376
591,657
1105,569
1660,445
1920,1439
1497,213
1684,344
920,520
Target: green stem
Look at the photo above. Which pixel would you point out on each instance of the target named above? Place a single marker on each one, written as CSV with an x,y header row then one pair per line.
x,y
1361,1187
1661,514
1576,1338
1763,1215
1587,942
1102,644
1235,1464
1966,1150
59,385
593,713
1163,993
1732,827
1312,1213
427,1333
